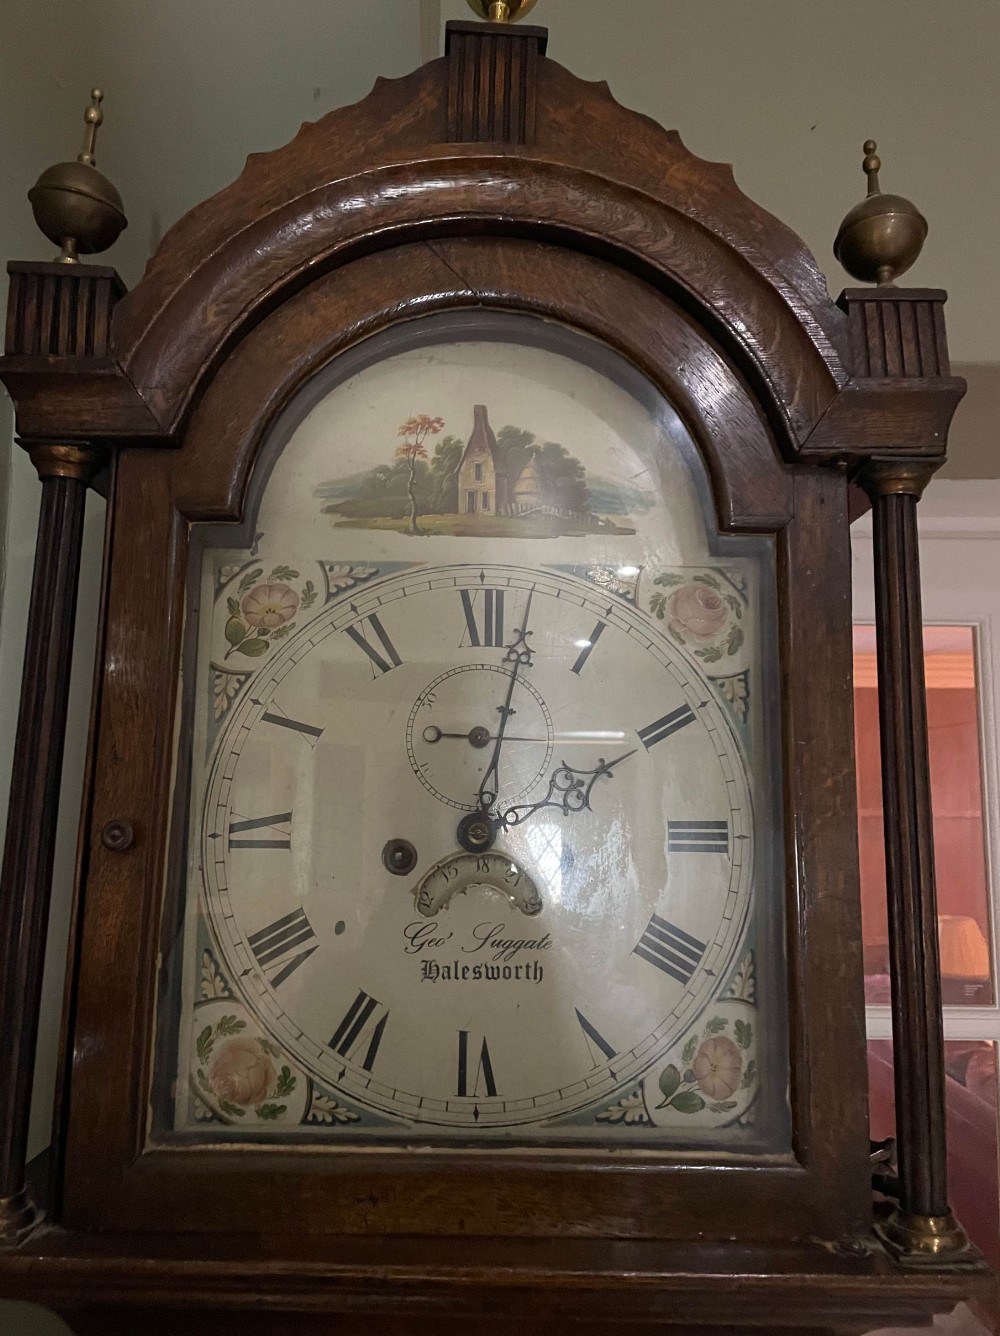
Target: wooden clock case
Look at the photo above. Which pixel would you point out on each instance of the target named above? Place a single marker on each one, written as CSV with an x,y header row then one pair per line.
x,y
490,178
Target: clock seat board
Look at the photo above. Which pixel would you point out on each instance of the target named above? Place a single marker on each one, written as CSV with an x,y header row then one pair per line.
x,y
467,921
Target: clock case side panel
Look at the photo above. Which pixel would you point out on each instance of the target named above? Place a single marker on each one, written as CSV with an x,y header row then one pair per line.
x,y
112,1179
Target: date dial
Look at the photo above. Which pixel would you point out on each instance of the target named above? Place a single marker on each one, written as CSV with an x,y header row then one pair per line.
x,y
464,873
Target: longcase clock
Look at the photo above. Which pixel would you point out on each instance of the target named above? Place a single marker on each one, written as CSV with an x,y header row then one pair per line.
x,y
467,927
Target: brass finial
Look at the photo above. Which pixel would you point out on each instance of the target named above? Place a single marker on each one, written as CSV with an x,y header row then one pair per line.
x,y
502,11
883,235
74,204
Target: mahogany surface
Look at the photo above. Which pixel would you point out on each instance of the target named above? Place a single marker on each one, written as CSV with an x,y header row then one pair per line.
x,y
582,212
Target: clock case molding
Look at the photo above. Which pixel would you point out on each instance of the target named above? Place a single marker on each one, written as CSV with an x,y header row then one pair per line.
x,y
490,178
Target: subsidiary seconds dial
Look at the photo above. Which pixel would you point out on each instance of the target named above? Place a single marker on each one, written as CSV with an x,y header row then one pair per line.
x,y
623,827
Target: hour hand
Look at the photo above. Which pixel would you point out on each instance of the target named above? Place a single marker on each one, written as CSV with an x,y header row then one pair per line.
x,y
569,790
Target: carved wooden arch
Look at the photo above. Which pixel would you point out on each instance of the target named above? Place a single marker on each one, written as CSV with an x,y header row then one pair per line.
x,y
210,477
597,178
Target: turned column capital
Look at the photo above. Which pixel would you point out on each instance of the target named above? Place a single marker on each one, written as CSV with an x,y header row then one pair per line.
x,y
884,475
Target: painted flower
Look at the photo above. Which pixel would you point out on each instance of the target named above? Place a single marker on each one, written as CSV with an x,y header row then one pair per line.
x,y
242,1072
698,612
270,606
718,1067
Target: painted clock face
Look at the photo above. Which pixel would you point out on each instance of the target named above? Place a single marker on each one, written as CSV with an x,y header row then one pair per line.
x,y
481,839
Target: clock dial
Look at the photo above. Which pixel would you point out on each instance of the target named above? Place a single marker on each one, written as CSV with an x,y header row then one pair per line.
x,y
638,918
482,833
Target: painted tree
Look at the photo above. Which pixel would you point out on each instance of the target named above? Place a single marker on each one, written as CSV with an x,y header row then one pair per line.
x,y
414,432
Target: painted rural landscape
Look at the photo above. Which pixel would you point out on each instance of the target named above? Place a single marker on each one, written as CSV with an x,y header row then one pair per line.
x,y
484,484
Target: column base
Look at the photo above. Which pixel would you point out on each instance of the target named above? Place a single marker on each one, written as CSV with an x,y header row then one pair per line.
x,y
926,1240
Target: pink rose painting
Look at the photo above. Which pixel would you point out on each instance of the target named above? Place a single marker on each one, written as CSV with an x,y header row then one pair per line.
x,y
717,1070
270,606
718,1067
242,1072
238,1072
702,612
262,610
697,612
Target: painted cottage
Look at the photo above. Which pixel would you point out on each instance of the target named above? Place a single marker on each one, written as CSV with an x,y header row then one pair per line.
x,y
482,478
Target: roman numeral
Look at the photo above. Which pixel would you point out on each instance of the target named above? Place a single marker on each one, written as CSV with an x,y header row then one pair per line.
x,y
584,654
483,1074
351,1028
594,1038
276,947
277,840
308,731
697,837
359,635
483,619
662,728
670,949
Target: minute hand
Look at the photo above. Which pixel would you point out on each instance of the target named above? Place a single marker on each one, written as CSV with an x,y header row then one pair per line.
x,y
517,654
569,790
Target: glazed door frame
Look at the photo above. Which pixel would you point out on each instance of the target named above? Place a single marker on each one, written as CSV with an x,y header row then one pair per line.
x,y
113,1180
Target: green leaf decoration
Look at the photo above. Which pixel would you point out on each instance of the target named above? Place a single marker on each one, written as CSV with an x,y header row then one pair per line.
x,y
709,580
750,1075
670,1079
252,648
229,1025
308,594
716,1025
723,1106
249,578
658,605
735,604
268,1047
689,1076
235,631
204,1044
735,640
689,1050
687,1101
286,1082
744,1033
667,578
233,1110
233,605
283,573
269,1112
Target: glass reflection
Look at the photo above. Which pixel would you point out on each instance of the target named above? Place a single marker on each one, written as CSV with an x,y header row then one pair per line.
x,y
957,802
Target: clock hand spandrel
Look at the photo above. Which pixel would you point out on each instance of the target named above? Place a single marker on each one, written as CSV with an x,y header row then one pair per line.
x,y
569,790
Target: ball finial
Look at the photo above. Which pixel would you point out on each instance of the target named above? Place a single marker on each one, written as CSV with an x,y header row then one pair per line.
x,y
882,236
502,11
74,204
